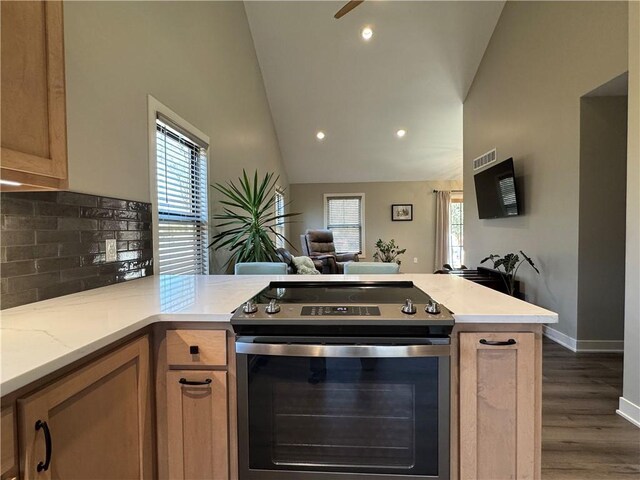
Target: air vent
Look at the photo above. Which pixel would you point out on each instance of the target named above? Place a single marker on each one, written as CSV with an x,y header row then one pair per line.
x,y
485,159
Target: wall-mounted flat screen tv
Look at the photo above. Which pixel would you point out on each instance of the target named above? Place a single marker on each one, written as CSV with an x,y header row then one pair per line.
x,y
496,191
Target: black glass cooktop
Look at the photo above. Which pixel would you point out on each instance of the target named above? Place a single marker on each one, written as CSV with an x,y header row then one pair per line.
x,y
342,293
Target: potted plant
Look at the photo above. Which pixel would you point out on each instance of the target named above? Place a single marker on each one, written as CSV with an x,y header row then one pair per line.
x,y
509,264
388,252
249,219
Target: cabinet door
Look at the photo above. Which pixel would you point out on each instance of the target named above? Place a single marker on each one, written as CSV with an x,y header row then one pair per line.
x,y
497,406
197,424
8,465
34,132
98,420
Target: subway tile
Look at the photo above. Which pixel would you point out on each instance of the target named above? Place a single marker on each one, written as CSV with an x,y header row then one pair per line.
x,y
27,282
56,264
77,224
134,255
57,236
16,206
126,215
144,216
3,286
36,196
9,300
113,203
139,245
59,289
96,212
99,236
113,225
101,281
93,259
29,252
78,248
145,235
78,273
139,206
122,246
123,277
128,235
136,226
17,237
79,199
46,209
21,222
14,269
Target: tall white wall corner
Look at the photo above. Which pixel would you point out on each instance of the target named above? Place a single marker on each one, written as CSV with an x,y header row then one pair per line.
x,y
629,411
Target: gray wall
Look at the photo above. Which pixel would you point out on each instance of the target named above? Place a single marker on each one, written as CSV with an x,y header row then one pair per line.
x,y
632,286
197,58
525,101
417,236
602,219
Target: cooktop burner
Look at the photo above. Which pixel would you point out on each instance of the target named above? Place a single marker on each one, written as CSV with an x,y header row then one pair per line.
x,y
342,304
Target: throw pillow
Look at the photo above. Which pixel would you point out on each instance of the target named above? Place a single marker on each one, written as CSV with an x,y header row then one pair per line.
x,y
305,266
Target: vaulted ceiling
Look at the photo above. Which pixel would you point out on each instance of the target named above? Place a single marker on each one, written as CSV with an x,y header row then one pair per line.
x,y
413,74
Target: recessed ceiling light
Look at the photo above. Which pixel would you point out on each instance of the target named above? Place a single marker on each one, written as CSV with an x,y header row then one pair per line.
x,y
320,135
10,183
367,33
401,133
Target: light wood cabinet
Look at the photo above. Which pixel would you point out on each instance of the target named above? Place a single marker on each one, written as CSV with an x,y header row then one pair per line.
x,y
98,418
8,452
498,406
34,131
197,424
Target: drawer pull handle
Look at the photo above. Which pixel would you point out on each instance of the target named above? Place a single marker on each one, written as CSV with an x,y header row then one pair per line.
x,y
194,350
494,343
43,467
184,381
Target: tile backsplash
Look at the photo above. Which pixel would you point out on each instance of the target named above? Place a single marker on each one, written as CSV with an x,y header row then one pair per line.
x,y
53,244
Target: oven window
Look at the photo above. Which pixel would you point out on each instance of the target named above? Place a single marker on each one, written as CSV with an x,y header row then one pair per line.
x,y
369,415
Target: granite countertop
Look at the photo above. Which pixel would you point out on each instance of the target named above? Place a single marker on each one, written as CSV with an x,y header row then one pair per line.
x,y
42,337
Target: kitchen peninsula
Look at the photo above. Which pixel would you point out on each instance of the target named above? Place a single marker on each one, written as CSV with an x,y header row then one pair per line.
x,y
132,339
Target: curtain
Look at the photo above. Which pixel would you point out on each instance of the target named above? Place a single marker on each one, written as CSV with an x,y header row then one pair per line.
x,y
443,199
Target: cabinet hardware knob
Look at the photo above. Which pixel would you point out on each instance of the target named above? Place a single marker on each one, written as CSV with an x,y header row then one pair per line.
x,y
194,350
43,467
494,343
184,381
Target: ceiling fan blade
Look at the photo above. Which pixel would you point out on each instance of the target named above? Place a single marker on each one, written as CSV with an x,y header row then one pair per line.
x,y
347,8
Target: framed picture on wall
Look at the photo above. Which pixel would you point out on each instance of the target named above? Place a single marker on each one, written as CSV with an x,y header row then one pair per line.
x,y
402,212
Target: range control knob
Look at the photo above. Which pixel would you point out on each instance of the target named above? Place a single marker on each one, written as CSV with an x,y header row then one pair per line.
x,y
272,308
432,307
249,307
409,308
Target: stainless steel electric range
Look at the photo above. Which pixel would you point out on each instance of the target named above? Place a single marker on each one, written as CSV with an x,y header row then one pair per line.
x,y
343,380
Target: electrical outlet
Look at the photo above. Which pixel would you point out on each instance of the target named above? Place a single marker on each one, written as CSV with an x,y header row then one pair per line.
x,y
415,259
112,250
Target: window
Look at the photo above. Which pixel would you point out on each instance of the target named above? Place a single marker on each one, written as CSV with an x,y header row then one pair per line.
x,y
181,199
344,215
279,226
456,220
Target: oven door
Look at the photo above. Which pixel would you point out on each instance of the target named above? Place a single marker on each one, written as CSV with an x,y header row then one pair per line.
x,y
312,409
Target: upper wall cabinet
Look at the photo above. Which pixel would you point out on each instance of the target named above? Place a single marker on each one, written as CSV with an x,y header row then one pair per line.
x,y
34,131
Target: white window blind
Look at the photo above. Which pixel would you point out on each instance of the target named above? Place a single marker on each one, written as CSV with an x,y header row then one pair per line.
x,y
181,173
344,218
279,226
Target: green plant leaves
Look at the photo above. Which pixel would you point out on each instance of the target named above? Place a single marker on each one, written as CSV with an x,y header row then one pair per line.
x,y
248,219
387,251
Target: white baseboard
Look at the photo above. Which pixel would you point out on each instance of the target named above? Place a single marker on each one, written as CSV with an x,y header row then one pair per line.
x,y
583,346
559,337
629,411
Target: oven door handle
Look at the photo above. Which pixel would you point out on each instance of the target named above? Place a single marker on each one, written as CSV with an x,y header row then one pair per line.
x,y
345,351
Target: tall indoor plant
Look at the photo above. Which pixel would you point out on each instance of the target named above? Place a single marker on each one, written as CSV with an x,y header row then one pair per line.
x,y
249,220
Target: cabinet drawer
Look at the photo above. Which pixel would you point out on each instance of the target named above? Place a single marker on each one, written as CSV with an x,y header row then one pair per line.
x,y
197,347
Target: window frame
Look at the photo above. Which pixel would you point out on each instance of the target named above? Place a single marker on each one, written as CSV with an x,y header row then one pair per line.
x,y
280,191
361,196
456,197
155,107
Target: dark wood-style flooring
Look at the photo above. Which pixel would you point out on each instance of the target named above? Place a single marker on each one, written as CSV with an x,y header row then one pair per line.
x,y
582,436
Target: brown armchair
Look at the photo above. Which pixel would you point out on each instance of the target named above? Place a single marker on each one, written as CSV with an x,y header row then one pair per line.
x,y
319,244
